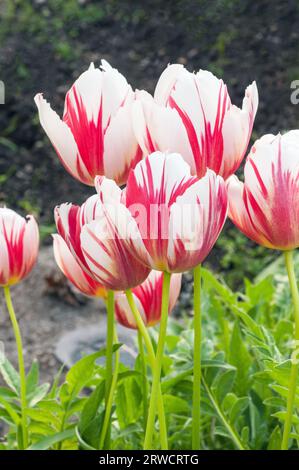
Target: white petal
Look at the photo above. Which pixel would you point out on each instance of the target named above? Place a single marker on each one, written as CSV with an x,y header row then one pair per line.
x,y
121,147
166,82
61,137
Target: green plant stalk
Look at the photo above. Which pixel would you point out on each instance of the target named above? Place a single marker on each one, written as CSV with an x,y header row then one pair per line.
x,y
225,422
196,432
158,363
22,371
152,359
109,359
107,416
289,261
144,381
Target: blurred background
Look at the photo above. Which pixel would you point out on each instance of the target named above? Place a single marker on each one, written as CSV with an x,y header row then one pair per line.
x,y
46,44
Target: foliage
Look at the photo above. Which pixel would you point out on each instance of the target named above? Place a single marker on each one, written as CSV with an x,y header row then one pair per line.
x,y
246,367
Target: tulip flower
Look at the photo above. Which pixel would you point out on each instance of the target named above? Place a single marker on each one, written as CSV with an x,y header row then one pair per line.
x,y
148,298
95,135
104,241
266,209
191,113
19,241
73,271
179,216
266,206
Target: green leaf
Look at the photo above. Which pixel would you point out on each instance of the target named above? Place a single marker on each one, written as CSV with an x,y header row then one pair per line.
x,y
275,439
172,380
10,410
91,407
78,376
44,416
7,393
32,378
241,359
82,443
281,415
9,374
238,409
223,384
176,405
91,434
49,441
38,394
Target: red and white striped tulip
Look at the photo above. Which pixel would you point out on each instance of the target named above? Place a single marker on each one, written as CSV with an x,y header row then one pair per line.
x,y
148,299
95,135
19,242
192,114
266,206
97,235
70,219
179,216
70,267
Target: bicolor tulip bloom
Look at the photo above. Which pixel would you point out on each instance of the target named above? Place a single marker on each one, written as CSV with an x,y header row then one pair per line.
x,y
179,216
105,241
70,267
266,206
148,299
19,242
192,114
95,135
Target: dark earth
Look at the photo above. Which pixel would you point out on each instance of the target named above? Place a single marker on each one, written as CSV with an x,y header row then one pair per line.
x,y
45,45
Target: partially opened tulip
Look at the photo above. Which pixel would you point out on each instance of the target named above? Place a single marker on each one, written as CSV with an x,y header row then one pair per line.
x,y
19,242
95,135
191,113
266,209
266,206
73,271
104,241
148,299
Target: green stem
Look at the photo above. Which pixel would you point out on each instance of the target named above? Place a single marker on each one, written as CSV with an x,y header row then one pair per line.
x,y
109,359
152,359
196,433
22,372
107,417
225,423
144,378
158,363
294,367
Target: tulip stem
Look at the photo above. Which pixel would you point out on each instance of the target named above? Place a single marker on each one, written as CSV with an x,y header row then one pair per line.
x,y
22,371
109,358
289,261
158,363
152,359
144,378
196,432
107,417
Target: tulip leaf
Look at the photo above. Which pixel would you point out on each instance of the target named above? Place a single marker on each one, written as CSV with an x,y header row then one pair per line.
x,y
9,374
50,441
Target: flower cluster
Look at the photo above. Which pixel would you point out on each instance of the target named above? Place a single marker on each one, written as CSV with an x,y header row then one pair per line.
x,y
163,171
